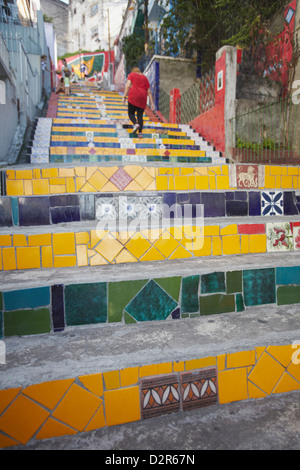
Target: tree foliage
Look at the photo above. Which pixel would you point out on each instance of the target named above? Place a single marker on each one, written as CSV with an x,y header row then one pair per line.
x,y
206,25
133,49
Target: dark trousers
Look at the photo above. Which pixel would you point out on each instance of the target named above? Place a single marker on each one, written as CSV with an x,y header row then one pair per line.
x,y
131,113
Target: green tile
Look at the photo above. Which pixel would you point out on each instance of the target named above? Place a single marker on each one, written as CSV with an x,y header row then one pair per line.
x,y
259,286
216,303
128,319
119,295
86,304
240,307
27,322
213,282
234,282
1,301
1,325
287,295
171,285
190,294
151,303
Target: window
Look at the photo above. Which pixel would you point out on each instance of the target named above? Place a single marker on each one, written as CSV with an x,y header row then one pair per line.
x,y
94,9
83,19
94,32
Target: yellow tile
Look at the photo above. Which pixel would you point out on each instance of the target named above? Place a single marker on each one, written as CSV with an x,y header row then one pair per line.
x,y
284,171
5,240
295,182
178,366
181,183
53,428
64,261
133,170
97,180
210,230
36,173
28,188
80,171
257,243
28,258
93,382
108,171
214,170
9,260
266,373
82,238
10,174
49,172
1,267
212,182
270,182
191,182
286,384
98,420
39,240
40,186
47,257
282,354
19,240
82,258
80,182
143,179
48,394
70,185
63,243
200,363
231,244
229,230
267,170
77,408
14,188
111,379
287,182
122,406
109,248
133,186
232,385
166,245
244,244
187,171
57,189
201,170
138,245
161,183
240,359
98,260
152,255
23,174
293,170
278,182
221,362
66,172
216,246
129,376
202,247
255,392
22,419
275,170
225,170
7,396
164,368
222,182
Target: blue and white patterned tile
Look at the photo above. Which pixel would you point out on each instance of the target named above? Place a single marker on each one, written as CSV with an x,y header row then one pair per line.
x,y
272,203
107,208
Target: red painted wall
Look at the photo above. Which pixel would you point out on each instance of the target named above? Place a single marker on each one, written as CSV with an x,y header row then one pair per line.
x,y
211,124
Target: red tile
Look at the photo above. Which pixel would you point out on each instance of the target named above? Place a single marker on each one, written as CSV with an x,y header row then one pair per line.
x,y
245,229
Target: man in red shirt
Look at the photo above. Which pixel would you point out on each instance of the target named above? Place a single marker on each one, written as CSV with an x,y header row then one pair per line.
x,y
138,90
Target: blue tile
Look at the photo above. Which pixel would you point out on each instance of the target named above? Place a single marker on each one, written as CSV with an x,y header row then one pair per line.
x,y
214,204
289,203
15,210
289,275
254,203
64,200
236,208
6,219
58,309
65,214
34,210
26,298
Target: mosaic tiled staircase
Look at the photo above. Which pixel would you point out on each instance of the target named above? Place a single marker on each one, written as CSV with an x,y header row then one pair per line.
x,y
212,239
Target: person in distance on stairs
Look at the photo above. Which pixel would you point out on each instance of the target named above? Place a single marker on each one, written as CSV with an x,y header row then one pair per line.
x,y
138,90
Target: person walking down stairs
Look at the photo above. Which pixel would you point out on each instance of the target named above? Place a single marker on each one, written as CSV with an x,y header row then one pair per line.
x,y
138,90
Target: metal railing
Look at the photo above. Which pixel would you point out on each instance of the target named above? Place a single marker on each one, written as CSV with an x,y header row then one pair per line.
x,y
164,103
199,98
270,134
